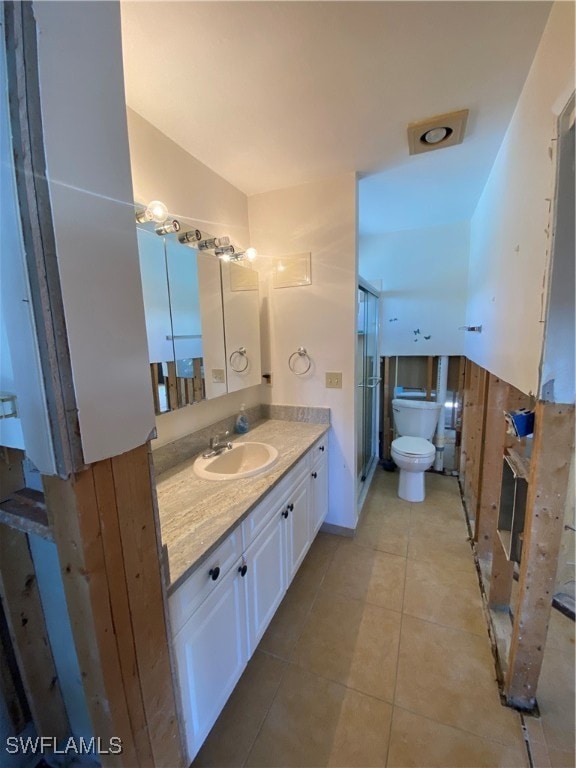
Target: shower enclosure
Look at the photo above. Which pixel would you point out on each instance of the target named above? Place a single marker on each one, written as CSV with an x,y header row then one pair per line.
x,y
367,370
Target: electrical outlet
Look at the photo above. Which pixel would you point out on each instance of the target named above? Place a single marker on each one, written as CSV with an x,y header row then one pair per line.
x,y
218,376
333,379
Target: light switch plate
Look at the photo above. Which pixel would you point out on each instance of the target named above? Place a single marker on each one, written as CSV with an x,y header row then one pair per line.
x,y
334,379
218,376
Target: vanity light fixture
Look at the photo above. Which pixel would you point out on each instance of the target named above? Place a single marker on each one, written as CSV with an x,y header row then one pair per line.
x,y
168,227
214,243
155,211
225,252
192,236
249,254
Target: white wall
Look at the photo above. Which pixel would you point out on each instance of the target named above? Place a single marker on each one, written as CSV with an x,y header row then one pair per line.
x,y
424,278
319,218
161,170
88,170
510,229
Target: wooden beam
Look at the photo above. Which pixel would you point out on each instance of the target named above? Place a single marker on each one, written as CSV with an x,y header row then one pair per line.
x,y
105,524
460,401
172,387
494,440
155,386
472,435
547,488
25,618
11,689
141,547
429,377
11,472
501,577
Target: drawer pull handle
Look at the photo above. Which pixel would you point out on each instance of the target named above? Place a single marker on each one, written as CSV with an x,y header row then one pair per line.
x,y
314,475
214,573
290,507
321,448
285,514
243,570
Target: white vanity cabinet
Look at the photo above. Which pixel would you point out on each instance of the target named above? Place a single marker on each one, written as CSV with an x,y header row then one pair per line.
x,y
318,485
221,611
211,653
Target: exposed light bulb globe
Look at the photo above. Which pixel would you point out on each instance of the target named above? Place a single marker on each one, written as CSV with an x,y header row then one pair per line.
x,y
225,257
251,253
158,211
435,135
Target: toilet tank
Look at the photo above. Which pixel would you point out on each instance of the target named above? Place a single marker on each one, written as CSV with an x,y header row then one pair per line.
x,y
415,418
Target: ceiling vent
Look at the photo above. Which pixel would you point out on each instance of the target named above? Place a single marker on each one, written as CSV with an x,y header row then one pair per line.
x,y
437,132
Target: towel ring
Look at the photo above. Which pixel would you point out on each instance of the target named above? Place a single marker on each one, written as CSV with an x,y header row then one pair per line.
x,y
295,356
240,352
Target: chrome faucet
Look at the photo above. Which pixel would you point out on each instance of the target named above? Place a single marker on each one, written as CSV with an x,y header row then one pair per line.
x,y
217,447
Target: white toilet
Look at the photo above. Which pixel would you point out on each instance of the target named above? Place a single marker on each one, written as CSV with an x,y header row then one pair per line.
x,y
413,452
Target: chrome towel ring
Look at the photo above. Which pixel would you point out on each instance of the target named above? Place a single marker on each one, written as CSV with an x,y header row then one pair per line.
x,y
236,358
300,354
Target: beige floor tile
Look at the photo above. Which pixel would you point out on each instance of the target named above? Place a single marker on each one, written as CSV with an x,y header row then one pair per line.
x,y
447,597
316,562
288,622
422,743
445,520
555,696
447,551
448,675
366,574
233,734
316,722
384,534
561,759
351,642
443,484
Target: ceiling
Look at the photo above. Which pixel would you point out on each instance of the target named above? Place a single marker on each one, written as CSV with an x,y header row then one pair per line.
x,y
274,94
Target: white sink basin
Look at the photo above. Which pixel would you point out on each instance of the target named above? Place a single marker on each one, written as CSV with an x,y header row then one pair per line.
x,y
242,460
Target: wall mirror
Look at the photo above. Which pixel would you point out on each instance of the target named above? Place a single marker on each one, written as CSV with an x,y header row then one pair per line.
x,y
202,319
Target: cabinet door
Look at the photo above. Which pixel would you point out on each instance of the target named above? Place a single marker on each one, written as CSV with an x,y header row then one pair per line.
x,y
211,653
318,491
296,527
265,579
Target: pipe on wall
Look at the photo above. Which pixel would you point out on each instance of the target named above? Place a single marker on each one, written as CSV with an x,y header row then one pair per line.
x,y
441,386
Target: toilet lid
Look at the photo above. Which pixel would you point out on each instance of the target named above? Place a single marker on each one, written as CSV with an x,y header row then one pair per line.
x,y
413,446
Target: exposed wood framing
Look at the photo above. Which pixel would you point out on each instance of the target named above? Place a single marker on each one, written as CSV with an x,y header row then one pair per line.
x,y
11,689
460,407
25,618
155,377
547,486
494,441
172,387
501,577
104,522
472,435
11,473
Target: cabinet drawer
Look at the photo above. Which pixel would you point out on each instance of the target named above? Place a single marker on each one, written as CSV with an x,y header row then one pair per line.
x,y
260,515
201,583
319,451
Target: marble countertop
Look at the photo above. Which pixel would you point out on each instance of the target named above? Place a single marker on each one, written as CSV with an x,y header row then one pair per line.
x,y
196,515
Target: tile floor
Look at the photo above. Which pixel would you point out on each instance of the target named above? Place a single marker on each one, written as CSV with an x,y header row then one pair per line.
x,y
379,655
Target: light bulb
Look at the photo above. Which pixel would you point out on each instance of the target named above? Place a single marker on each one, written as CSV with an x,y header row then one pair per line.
x,y
192,236
168,227
158,211
251,253
436,135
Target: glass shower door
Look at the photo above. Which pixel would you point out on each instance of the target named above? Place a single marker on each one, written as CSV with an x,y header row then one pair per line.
x,y
367,362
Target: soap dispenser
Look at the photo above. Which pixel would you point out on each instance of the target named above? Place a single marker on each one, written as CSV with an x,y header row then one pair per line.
x,y
242,425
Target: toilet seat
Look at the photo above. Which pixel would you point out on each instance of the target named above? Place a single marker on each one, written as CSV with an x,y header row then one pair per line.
x,y
413,446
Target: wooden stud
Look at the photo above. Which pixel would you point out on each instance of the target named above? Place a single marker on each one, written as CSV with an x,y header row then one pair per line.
x,y
429,377
494,440
11,689
155,386
141,550
172,386
120,607
188,391
460,405
547,488
74,517
501,577
25,617
198,383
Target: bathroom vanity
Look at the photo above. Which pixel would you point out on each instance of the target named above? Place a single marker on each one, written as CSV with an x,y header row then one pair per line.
x,y
233,549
